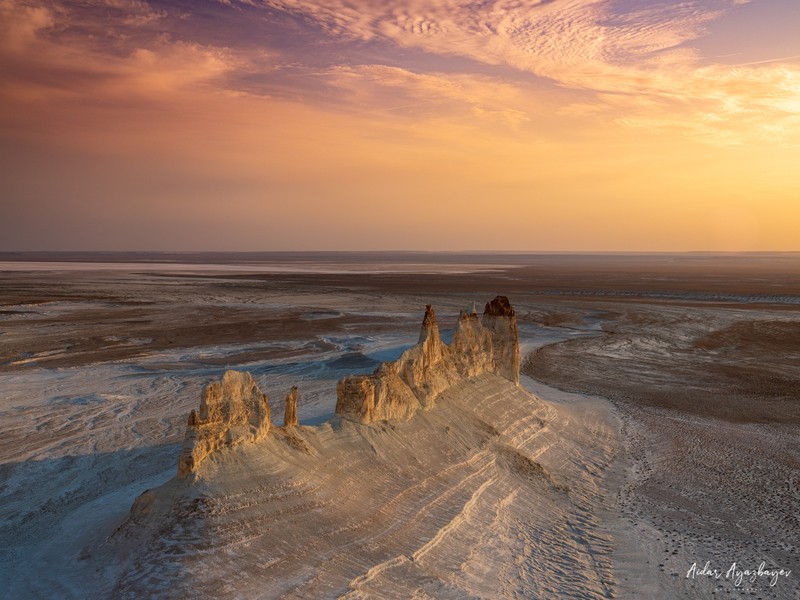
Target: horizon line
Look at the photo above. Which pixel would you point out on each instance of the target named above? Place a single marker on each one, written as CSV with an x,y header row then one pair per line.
x,y
12,255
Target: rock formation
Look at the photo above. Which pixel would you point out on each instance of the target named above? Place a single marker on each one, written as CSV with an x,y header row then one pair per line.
x,y
499,318
290,414
382,396
437,507
395,391
232,411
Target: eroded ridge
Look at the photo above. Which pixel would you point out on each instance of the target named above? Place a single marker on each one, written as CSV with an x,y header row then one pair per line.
x,y
490,494
395,391
485,492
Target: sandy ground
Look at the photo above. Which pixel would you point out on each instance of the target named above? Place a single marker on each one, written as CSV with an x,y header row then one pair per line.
x,y
98,371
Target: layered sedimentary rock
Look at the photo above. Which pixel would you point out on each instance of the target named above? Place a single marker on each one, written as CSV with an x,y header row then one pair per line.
x,y
382,396
290,413
470,499
232,411
500,319
395,391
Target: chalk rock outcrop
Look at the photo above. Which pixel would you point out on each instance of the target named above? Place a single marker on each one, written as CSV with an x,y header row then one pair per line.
x,y
232,410
382,396
290,413
395,391
500,319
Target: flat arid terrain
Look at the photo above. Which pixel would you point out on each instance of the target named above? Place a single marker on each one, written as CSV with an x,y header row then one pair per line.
x,y
650,450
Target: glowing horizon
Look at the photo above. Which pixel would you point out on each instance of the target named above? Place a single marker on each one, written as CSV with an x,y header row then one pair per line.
x,y
578,125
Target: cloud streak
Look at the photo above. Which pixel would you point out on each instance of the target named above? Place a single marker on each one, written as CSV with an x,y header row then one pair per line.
x,y
585,45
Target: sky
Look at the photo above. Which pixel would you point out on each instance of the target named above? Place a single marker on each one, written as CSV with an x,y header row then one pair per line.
x,y
539,125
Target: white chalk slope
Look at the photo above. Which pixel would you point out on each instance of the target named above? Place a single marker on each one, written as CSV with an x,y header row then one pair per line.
x,y
492,493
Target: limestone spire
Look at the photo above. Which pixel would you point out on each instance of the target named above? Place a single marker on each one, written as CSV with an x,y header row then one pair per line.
x,y
290,414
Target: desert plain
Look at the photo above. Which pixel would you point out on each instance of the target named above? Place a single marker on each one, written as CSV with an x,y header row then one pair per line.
x,y
651,450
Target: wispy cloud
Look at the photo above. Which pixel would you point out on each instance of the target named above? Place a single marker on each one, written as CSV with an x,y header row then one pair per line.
x,y
403,91
637,61
43,59
590,45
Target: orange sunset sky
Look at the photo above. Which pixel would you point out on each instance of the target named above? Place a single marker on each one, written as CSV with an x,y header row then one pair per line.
x,y
417,125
